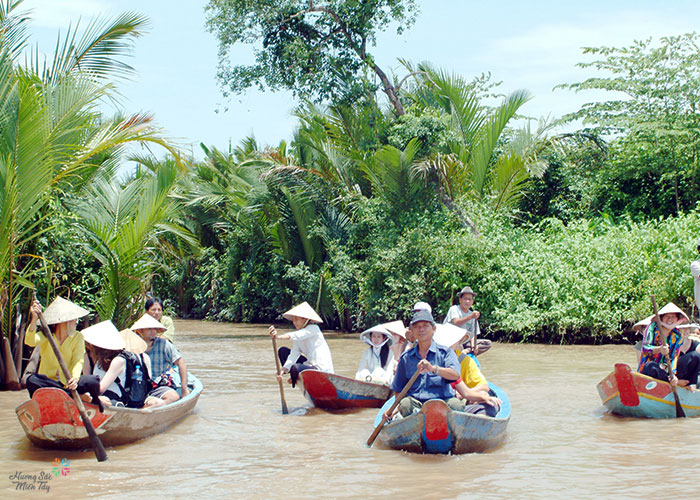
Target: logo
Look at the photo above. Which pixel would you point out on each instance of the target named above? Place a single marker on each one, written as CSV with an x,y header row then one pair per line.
x,y
24,481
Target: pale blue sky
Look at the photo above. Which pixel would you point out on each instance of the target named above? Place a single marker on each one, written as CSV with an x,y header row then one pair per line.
x,y
533,45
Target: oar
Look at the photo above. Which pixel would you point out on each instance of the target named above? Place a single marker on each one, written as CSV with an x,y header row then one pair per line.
x,y
401,395
97,447
679,409
279,373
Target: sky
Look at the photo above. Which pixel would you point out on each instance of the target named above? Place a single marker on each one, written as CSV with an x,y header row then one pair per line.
x,y
532,45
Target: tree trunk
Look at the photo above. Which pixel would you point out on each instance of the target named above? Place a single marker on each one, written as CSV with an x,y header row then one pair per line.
x,y
463,218
11,378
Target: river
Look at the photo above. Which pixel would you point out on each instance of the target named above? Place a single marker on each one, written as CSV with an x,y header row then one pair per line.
x,y
237,443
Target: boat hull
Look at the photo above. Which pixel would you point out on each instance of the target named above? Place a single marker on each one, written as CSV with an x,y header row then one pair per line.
x,y
438,429
51,420
335,392
631,394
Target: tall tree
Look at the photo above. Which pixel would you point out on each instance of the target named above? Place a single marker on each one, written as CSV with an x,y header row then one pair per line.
x,y
653,112
307,46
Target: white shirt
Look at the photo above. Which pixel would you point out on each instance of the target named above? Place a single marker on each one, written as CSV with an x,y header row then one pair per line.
x,y
472,326
695,270
310,342
371,364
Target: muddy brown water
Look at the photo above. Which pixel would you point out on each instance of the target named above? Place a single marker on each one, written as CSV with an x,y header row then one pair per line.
x,y
237,444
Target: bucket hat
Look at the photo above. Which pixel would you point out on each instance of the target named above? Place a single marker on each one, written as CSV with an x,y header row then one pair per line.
x,y
466,289
104,335
62,310
423,316
303,310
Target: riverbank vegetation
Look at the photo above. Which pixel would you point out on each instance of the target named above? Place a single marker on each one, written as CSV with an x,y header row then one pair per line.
x,y
376,202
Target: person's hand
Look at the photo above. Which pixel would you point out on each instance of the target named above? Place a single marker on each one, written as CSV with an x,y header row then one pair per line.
x,y
424,366
475,315
494,401
674,381
86,397
272,331
35,309
184,392
72,384
661,349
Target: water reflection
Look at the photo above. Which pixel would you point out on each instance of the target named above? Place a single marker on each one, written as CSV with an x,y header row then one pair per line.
x,y
560,443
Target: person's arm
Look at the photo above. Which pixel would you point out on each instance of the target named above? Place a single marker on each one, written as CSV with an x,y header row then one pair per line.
x,y
182,366
115,368
364,363
476,396
426,366
32,337
695,269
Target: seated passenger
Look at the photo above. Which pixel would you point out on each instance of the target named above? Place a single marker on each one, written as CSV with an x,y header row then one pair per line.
x,y
309,347
118,386
398,346
689,358
437,365
472,385
62,317
164,356
661,345
640,327
154,307
376,360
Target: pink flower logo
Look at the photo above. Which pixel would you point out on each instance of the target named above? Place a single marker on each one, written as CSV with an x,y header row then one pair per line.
x,y
60,467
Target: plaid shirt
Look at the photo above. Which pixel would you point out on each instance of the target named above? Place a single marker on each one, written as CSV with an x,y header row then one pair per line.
x,y
163,354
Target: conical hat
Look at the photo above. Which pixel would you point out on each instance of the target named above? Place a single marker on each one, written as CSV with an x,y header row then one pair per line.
x,y
673,308
62,310
104,335
366,335
642,323
396,327
448,334
303,310
147,321
133,342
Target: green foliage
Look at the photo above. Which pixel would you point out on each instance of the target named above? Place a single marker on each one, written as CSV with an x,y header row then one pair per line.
x,y
306,47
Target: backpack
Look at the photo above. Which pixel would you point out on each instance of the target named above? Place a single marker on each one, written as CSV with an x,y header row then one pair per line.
x,y
135,391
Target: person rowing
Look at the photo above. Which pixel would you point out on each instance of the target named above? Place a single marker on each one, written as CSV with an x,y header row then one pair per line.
x,y
309,348
464,317
662,345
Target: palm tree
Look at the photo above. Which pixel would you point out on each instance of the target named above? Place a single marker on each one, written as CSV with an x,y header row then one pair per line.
x,y
53,138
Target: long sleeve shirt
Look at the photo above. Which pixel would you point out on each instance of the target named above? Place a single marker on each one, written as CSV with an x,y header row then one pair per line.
x,y
371,364
654,338
72,350
310,342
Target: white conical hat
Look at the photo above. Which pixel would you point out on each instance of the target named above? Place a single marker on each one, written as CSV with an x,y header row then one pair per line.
x,y
448,334
134,343
147,321
643,323
303,310
673,308
104,335
62,310
365,336
396,327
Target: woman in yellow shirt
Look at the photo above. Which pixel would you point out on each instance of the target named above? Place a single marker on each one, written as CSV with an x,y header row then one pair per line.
x,y
62,317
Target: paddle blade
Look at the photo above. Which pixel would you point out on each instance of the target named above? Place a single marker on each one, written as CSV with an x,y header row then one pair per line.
x,y
625,385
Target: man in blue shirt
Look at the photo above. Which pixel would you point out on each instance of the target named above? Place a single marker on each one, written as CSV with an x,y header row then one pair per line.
x,y
437,364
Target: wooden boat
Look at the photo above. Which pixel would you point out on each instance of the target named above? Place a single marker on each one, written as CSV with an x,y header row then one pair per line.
x,y
335,392
51,419
438,429
632,394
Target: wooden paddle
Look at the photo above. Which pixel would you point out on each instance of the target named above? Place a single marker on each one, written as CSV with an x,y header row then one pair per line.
x,y
97,447
679,409
401,395
285,411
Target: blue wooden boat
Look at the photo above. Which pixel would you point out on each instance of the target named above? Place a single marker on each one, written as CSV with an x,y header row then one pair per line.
x,y
438,429
631,394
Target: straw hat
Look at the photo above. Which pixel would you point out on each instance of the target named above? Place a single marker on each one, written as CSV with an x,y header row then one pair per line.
x,y
303,310
133,342
448,334
147,321
62,310
366,335
396,327
104,335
